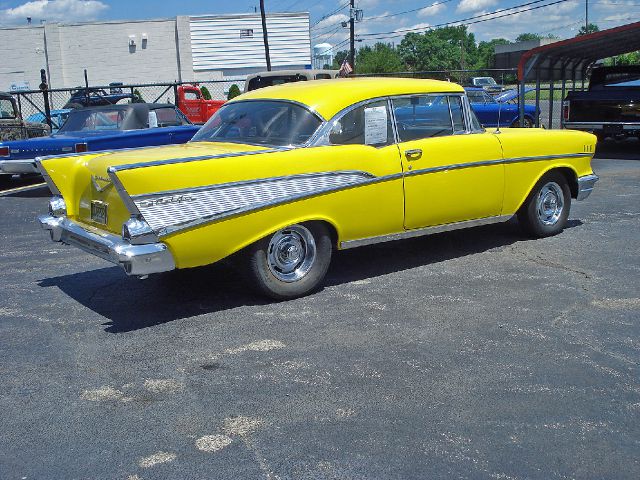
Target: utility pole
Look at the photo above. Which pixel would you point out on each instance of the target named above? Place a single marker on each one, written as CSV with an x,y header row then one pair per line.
x,y
586,17
266,36
352,36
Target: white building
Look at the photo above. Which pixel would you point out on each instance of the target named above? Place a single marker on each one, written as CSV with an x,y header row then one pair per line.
x,y
207,47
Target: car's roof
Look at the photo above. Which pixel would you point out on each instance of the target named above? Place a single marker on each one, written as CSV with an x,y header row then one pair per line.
x,y
125,106
328,97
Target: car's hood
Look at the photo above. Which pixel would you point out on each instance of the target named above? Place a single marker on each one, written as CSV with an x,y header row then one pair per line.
x,y
99,163
510,95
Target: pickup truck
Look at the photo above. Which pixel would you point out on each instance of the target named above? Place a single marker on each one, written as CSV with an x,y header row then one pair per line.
x,y
611,106
192,103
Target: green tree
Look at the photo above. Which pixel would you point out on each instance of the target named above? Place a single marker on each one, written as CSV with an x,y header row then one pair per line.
x,y
449,48
234,91
381,58
205,93
631,58
339,58
137,97
487,52
527,37
592,28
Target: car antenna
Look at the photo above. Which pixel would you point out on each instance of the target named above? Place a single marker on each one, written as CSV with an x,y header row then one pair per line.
x,y
499,114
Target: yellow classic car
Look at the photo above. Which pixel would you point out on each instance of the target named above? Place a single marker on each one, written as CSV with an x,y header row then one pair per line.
x,y
284,175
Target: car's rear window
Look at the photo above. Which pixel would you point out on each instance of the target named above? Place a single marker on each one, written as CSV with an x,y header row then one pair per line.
x,y
260,122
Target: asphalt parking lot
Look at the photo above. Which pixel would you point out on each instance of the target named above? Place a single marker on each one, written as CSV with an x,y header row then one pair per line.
x,y
476,354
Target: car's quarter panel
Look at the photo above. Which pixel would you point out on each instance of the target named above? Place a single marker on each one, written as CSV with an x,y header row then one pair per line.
x,y
450,181
207,209
530,153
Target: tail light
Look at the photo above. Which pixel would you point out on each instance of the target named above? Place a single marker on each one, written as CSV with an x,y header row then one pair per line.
x,y
81,147
565,110
4,151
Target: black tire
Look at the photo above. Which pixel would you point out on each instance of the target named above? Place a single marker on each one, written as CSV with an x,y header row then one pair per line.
x,y
542,215
269,272
528,123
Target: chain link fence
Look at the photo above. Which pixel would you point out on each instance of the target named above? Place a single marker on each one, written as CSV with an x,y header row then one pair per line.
x,y
31,102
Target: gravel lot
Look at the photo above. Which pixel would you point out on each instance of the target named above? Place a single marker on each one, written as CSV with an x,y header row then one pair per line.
x,y
477,354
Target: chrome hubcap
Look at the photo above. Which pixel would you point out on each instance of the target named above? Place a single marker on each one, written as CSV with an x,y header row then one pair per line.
x,y
291,253
550,203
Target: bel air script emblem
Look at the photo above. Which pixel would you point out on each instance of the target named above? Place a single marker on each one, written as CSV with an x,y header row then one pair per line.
x,y
175,199
97,181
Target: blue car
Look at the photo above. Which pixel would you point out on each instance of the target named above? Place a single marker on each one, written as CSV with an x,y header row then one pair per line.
x,y
488,108
100,128
58,117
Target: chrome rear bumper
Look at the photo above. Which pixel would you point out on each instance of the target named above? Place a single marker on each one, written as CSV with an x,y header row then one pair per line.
x,y
18,166
585,186
134,259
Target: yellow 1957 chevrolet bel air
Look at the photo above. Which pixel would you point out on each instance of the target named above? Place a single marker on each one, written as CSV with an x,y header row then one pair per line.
x,y
284,175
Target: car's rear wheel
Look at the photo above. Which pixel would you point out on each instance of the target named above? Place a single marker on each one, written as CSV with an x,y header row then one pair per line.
x,y
546,209
292,262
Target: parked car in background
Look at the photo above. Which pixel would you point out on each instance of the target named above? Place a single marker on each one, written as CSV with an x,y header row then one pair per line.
x,y
278,77
499,110
192,103
12,126
283,176
100,128
488,84
58,117
97,97
611,106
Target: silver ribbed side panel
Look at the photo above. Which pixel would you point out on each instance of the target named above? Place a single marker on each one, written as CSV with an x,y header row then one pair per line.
x,y
170,211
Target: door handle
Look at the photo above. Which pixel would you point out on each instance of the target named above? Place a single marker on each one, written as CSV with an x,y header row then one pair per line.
x,y
414,154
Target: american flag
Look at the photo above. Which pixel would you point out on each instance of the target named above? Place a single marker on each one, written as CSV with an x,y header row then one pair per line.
x,y
345,69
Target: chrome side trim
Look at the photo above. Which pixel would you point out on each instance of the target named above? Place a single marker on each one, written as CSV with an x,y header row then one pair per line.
x,y
424,231
45,175
169,211
134,259
585,186
171,161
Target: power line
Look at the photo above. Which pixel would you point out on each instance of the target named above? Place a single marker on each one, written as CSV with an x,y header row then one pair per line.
x,y
467,21
333,12
435,4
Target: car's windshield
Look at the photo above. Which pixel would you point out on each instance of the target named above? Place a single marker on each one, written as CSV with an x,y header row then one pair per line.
x,y
485,81
260,122
83,120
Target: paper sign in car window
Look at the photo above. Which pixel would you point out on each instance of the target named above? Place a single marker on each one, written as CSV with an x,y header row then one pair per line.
x,y
153,119
375,125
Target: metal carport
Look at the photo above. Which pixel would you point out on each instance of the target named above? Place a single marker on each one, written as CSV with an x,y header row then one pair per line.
x,y
565,59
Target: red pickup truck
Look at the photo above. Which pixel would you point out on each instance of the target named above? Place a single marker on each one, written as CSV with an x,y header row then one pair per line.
x,y
193,104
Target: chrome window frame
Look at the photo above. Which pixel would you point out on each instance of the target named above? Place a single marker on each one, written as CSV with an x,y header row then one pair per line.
x,y
321,137
465,113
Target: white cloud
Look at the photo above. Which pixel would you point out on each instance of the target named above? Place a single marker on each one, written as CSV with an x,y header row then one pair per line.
x,y
54,11
433,9
474,5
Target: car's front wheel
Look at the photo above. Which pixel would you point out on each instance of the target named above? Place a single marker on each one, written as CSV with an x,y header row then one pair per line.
x,y
546,209
292,262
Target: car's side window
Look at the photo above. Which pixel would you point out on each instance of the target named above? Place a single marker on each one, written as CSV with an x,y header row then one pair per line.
x,y
368,124
191,95
457,114
6,109
422,116
488,98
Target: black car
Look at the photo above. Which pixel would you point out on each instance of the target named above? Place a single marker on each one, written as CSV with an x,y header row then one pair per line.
x,y
98,97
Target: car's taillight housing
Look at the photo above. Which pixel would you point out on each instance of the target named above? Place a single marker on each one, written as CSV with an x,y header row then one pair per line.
x,y
565,110
4,151
81,147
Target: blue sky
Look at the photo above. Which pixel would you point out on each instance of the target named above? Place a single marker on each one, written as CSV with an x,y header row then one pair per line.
x,y
381,17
